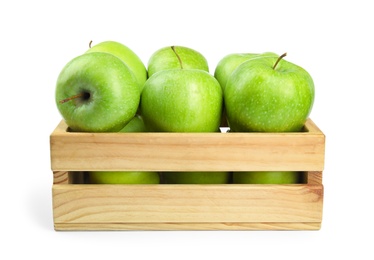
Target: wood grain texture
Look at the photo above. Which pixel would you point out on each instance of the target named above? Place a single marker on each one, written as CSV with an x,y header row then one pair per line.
x,y
190,226
187,203
314,178
78,206
302,151
61,177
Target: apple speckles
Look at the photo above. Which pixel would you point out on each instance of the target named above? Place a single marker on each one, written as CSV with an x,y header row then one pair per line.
x,y
259,99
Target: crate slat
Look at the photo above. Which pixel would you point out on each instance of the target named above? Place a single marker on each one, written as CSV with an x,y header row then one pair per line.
x,y
190,226
187,203
302,151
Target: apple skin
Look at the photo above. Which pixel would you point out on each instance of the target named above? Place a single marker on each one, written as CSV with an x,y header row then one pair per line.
x,y
230,62
196,177
259,98
110,93
125,54
268,177
182,100
165,58
136,125
123,177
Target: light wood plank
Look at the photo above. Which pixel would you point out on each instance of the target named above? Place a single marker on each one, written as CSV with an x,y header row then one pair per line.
x,y
189,226
186,203
302,151
314,178
61,177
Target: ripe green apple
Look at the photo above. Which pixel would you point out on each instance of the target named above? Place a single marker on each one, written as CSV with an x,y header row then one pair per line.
x,y
135,125
268,95
97,92
123,177
196,177
166,58
228,64
181,100
231,61
125,54
268,177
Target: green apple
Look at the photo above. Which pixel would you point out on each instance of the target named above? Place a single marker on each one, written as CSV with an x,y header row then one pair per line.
x,y
166,58
123,177
196,177
125,54
97,92
228,64
268,177
268,95
181,100
231,61
135,125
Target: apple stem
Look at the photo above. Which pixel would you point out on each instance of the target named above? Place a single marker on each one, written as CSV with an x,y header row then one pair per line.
x,y
72,97
89,45
176,54
278,60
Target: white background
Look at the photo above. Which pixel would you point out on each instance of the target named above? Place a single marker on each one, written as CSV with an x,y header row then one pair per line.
x,y
331,39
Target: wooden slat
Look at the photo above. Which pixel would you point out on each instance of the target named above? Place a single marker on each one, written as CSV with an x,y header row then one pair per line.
x,y
186,203
190,226
314,178
302,151
60,177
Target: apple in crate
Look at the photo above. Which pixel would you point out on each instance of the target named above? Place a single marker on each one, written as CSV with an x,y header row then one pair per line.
x,y
123,177
230,62
165,58
125,54
269,177
97,92
196,177
181,100
268,95
136,125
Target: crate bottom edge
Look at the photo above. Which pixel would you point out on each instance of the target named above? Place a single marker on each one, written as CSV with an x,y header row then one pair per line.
x,y
187,226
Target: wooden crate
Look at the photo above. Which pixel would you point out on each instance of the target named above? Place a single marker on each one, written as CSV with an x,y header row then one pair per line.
x,y
78,206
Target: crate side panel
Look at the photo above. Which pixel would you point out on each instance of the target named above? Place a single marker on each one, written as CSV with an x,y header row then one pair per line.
x,y
186,203
187,152
190,226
